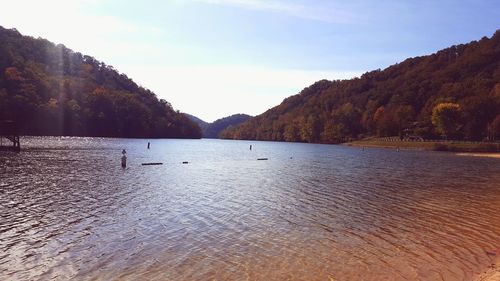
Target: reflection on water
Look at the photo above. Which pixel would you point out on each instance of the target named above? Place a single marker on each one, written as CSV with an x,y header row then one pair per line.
x,y
311,212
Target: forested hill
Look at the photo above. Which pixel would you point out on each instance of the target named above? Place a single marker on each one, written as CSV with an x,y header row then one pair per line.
x,y
454,93
215,128
212,130
202,124
50,90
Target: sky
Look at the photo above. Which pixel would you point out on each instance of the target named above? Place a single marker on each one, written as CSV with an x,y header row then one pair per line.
x,y
214,58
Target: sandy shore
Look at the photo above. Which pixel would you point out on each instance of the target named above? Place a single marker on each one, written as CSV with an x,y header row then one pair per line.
x,y
492,155
492,273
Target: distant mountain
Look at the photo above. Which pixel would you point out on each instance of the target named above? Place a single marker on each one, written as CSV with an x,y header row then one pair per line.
x,y
50,90
212,130
202,124
454,93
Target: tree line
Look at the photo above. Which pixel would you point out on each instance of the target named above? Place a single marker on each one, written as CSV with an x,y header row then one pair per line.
x,y
48,89
212,130
452,94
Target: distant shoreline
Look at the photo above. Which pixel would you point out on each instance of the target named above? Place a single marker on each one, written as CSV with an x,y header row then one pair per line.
x,y
484,154
483,149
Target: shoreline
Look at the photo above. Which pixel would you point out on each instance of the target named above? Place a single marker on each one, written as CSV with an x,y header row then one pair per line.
x,y
492,273
460,148
479,154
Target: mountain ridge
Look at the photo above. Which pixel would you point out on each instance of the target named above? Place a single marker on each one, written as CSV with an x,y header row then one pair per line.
x,y
49,89
400,100
212,130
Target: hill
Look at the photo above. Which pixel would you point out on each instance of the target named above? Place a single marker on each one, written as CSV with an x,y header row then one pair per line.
x,y
212,130
202,124
50,90
454,94
215,128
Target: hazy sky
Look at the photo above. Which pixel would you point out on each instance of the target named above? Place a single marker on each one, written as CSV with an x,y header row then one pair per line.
x,y
213,58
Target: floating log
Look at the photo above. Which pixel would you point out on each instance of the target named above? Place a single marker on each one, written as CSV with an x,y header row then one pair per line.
x,y
151,164
262,159
185,162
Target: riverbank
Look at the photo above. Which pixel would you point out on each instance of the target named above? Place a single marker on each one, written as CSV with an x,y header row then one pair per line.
x,y
466,148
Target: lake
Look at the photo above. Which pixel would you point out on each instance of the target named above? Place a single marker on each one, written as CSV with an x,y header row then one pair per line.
x,y
310,212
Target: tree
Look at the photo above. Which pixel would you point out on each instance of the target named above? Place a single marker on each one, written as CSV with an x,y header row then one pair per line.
x,y
494,129
291,132
447,118
478,112
328,134
385,122
347,121
403,115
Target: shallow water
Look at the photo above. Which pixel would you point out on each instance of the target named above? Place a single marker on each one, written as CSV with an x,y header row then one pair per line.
x,y
310,212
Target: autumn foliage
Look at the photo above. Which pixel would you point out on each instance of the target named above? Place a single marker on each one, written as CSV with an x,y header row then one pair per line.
x,y
447,118
454,93
50,90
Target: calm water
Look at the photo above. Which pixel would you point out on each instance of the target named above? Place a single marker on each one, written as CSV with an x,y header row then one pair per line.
x,y
311,212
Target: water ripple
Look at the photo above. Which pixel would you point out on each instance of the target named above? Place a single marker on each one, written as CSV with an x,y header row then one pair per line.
x,y
311,212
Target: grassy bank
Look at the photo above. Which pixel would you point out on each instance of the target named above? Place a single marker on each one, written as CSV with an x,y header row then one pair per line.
x,y
453,146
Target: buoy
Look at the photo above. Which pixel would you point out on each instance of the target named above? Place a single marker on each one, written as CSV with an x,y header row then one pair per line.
x,y
124,159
